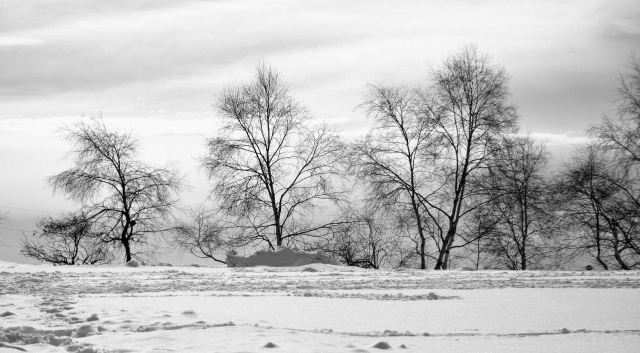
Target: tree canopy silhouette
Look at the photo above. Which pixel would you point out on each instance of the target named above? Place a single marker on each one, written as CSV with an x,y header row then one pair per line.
x,y
125,199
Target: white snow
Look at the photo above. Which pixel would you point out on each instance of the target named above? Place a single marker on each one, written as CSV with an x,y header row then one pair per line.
x,y
281,257
314,308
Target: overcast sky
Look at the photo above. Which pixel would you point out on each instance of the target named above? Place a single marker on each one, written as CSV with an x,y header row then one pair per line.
x,y
156,66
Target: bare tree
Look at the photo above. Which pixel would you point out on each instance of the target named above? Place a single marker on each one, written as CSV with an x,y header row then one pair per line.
x,y
369,239
480,225
69,240
474,112
125,199
601,199
396,158
204,236
605,175
621,133
272,170
522,206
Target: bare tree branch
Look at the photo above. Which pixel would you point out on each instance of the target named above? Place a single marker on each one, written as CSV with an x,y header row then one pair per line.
x,y
121,195
271,169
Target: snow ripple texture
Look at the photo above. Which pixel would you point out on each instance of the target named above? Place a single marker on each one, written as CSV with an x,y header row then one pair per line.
x,y
318,308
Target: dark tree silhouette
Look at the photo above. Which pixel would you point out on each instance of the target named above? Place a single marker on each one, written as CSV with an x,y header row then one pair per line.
x,y
369,238
428,146
604,181
522,207
203,236
125,200
396,158
474,112
272,171
66,241
620,133
601,200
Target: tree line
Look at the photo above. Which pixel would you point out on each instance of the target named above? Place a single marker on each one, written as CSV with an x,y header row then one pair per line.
x,y
444,177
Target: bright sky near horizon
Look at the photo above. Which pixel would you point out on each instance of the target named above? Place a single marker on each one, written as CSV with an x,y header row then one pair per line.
x,y
155,67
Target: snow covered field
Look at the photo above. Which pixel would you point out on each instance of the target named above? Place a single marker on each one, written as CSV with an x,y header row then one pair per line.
x,y
314,308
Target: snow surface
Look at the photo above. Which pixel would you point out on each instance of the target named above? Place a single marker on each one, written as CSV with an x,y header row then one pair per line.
x,y
281,257
314,308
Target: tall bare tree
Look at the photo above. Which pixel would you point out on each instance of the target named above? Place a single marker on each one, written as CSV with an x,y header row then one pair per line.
x,y
68,240
125,199
607,174
272,170
474,112
620,132
396,158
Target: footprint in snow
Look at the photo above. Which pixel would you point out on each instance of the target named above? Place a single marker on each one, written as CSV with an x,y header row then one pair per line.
x,y
381,345
189,313
6,345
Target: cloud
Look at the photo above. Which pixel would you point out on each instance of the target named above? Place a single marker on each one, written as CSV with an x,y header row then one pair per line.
x,y
562,139
12,41
150,55
619,21
101,51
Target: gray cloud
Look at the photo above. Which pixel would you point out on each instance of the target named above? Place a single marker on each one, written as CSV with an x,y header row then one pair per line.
x,y
16,15
99,51
127,57
619,22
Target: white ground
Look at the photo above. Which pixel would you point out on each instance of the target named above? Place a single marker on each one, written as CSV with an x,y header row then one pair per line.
x,y
315,308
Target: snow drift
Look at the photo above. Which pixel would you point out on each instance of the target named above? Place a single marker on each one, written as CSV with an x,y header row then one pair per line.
x,y
283,256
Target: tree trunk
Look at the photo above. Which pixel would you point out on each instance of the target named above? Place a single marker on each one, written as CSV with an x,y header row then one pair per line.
x,y
276,220
278,235
127,249
598,245
443,257
616,253
423,241
423,261
445,262
478,255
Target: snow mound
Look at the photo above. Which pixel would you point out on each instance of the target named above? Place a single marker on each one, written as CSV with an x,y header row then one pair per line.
x,y
282,257
381,345
132,263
